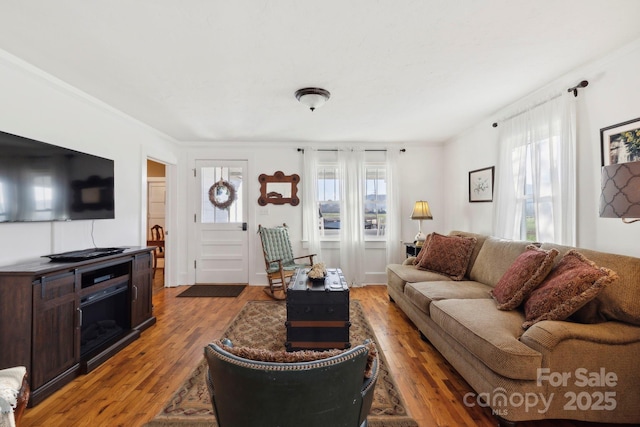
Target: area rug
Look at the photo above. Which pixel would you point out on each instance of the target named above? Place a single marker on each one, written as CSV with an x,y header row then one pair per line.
x,y
231,291
261,324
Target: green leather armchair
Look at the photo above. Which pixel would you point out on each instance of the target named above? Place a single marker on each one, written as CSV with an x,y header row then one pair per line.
x,y
326,392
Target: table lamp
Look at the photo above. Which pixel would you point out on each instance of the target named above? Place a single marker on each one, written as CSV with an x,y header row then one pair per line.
x,y
620,197
421,211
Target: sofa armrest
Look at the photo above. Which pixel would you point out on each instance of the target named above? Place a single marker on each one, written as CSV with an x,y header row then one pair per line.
x,y
545,335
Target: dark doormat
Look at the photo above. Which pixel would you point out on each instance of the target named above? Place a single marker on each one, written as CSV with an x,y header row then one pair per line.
x,y
213,291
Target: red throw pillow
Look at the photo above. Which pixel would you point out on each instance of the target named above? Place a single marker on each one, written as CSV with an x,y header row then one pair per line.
x,y
423,249
523,276
448,255
575,281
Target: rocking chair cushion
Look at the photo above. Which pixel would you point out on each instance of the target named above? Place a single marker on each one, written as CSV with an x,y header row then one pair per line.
x,y
277,246
288,267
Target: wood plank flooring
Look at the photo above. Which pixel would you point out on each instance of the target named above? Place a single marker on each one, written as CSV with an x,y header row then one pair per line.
x,y
131,387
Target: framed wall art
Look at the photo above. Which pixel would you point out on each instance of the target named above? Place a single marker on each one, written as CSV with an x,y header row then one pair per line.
x,y
620,143
481,185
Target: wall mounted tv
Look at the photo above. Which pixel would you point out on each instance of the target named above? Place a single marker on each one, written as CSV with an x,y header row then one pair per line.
x,y
45,182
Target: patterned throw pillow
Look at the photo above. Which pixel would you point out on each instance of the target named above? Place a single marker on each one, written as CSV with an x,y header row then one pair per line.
x,y
575,281
283,356
448,255
423,249
523,276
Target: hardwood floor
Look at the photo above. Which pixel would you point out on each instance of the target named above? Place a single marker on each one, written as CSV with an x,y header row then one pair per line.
x,y
131,387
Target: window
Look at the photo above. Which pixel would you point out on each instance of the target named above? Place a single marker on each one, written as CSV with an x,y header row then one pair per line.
x,y
215,174
536,191
537,200
329,200
375,203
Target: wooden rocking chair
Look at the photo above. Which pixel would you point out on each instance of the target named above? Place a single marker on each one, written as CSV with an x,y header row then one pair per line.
x,y
279,260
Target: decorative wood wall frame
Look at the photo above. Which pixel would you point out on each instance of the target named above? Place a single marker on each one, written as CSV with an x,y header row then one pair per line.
x,y
279,189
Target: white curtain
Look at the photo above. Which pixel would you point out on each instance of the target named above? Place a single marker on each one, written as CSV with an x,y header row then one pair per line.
x,y
392,226
310,207
351,166
536,172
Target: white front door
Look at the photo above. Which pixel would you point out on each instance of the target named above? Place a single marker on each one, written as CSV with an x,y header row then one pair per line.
x,y
221,222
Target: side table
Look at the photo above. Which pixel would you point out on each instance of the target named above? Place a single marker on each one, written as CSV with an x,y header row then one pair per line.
x,y
412,249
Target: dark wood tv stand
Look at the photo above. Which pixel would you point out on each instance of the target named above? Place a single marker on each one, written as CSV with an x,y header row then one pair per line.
x,y
63,319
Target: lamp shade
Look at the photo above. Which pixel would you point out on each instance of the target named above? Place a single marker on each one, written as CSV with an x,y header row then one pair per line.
x,y
620,197
421,210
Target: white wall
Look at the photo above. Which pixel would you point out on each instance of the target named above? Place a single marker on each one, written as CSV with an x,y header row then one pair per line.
x,y
420,177
610,98
36,105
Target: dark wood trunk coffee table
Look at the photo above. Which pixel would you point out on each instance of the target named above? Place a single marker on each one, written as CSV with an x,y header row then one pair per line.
x,y
317,312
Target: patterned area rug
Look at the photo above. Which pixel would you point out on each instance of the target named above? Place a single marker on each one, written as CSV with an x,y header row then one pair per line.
x,y
261,324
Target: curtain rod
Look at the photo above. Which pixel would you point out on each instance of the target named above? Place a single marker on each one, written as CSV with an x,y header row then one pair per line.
x,y
495,124
574,89
402,150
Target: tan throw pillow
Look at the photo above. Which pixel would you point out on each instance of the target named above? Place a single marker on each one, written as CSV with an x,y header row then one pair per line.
x,y
523,276
423,249
283,356
448,255
279,356
575,281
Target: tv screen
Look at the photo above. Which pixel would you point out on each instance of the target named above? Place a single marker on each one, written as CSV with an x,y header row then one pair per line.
x,y
45,182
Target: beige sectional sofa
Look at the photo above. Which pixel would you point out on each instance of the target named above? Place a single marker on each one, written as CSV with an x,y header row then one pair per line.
x,y
552,370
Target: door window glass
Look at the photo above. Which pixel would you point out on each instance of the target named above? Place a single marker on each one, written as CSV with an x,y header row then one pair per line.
x,y
222,194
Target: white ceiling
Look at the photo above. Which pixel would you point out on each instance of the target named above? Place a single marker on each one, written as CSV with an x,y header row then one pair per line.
x,y
397,70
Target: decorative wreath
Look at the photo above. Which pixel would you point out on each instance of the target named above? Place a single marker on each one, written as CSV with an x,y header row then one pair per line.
x,y
219,187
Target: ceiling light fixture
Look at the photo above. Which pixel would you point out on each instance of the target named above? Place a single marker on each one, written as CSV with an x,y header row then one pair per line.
x,y
312,97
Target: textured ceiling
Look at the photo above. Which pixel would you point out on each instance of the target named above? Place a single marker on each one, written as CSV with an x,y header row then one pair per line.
x,y
398,71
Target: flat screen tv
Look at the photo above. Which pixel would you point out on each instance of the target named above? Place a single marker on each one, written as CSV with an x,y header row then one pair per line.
x,y
45,182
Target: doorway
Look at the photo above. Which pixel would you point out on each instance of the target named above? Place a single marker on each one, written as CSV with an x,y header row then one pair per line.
x,y
156,215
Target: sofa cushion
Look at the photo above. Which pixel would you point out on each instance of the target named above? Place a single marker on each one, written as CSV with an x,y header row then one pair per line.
x,y
525,274
571,284
399,274
618,302
489,334
422,293
448,255
495,258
